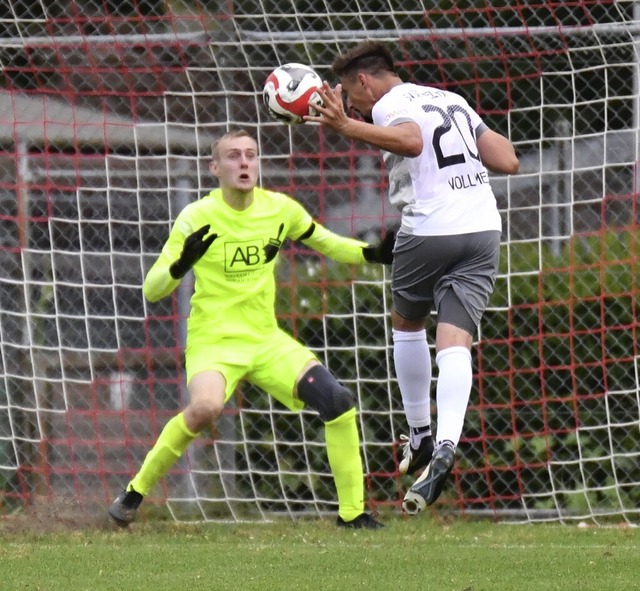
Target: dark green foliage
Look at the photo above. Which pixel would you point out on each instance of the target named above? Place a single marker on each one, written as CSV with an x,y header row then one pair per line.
x,y
564,363
555,373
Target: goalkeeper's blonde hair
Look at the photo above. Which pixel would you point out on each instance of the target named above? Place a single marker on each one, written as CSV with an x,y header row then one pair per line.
x,y
234,133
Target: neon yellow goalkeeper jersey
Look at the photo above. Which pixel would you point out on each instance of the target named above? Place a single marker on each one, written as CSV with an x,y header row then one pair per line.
x,y
235,281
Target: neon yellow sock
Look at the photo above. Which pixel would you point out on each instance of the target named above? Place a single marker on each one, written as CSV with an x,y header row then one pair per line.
x,y
343,451
172,443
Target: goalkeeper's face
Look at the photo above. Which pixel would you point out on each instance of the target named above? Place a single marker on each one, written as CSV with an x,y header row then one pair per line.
x,y
236,163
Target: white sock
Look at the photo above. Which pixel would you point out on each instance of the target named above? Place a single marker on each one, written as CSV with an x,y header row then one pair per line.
x,y
413,370
453,389
417,434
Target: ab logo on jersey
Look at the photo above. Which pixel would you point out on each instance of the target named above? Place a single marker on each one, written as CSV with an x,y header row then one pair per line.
x,y
240,257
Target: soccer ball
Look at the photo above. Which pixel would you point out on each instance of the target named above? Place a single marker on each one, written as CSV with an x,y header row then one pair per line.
x,y
288,90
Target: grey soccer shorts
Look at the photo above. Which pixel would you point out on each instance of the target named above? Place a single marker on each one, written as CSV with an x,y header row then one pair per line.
x,y
455,273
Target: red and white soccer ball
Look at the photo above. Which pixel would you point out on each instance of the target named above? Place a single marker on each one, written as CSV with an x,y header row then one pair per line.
x,y
288,90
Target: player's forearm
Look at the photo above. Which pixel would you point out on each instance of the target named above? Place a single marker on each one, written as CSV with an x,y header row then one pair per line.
x,y
159,283
404,139
336,247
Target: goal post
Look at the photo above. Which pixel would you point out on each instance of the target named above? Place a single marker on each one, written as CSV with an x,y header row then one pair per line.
x,y
107,114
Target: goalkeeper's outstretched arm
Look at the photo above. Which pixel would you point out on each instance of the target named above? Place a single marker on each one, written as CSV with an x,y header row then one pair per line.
x,y
348,250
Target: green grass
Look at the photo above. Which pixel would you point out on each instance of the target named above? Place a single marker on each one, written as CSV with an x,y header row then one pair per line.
x,y
409,554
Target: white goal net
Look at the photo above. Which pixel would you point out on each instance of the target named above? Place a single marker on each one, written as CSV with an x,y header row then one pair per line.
x,y
107,112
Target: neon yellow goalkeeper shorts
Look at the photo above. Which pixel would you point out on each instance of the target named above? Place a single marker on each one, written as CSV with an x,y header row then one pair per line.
x,y
273,364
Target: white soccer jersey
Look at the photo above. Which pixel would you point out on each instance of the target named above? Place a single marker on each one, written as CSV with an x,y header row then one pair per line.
x,y
446,189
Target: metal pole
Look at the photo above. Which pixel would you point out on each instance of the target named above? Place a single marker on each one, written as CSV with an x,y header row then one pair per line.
x,y
183,296
566,168
636,88
28,436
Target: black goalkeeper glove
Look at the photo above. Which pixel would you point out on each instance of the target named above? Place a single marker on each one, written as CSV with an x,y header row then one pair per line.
x,y
194,247
381,252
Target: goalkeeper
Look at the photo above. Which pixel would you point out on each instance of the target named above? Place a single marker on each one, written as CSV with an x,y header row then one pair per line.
x,y
231,238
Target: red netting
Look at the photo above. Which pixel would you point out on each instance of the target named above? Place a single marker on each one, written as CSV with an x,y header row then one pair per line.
x,y
108,112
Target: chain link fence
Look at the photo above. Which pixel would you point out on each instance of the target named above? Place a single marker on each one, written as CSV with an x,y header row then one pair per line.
x,y
107,114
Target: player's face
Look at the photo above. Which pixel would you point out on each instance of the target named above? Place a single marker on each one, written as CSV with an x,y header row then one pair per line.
x,y
359,94
236,164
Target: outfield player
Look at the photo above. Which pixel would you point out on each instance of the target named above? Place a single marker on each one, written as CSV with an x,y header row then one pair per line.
x,y
231,238
437,152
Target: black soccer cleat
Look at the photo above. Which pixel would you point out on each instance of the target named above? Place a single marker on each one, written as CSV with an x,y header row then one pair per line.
x,y
415,459
426,490
363,521
125,508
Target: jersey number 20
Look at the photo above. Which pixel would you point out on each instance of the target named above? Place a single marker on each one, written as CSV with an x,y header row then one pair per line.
x,y
449,121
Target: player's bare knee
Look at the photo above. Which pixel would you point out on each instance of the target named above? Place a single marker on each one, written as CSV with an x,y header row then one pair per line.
x,y
319,390
201,414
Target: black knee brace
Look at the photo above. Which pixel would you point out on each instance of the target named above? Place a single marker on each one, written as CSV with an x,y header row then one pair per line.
x,y
319,390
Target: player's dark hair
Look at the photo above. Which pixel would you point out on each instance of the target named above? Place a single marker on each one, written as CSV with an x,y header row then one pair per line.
x,y
234,133
372,57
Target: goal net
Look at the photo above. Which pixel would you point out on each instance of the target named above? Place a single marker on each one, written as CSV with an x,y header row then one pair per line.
x,y
107,113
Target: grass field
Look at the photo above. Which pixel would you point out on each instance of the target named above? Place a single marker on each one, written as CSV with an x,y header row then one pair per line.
x,y
409,554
